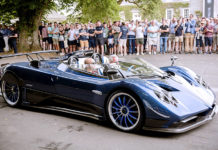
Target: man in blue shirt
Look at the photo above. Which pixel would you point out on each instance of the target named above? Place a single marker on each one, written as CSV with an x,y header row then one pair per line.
x,y
172,34
122,39
164,30
189,34
179,36
99,37
83,33
2,42
6,32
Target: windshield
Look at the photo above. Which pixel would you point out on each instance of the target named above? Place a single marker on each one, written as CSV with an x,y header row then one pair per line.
x,y
140,67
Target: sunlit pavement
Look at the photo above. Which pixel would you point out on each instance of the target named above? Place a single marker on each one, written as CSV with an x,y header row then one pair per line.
x,y
27,129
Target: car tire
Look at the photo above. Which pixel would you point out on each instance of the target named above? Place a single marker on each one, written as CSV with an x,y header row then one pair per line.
x,y
11,91
125,111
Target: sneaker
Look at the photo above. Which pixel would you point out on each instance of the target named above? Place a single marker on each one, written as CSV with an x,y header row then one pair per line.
x,y
62,54
142,53
137,54
149,53
200,52
155,53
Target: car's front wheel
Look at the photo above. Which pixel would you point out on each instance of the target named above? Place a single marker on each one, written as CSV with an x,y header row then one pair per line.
x,y
124,111
11,92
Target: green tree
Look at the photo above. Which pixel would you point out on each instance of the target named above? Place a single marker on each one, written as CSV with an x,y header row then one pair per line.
x,y
150,9
30,14
93,10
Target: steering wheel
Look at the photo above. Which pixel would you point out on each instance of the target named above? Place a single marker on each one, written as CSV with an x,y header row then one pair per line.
x,y
72,60
97,58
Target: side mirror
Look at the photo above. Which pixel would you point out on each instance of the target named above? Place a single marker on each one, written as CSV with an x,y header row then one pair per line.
x,y
173,59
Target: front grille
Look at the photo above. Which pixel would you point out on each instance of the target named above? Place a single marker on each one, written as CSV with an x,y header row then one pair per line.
x,y
194,119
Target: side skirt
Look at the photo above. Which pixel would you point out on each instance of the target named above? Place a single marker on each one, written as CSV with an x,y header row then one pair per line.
x,y
47,101
69,111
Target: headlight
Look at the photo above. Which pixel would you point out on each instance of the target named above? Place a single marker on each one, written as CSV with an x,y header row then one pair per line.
x,y
166,97
200,80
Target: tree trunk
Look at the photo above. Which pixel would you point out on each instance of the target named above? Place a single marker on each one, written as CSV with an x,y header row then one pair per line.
x,y
28,30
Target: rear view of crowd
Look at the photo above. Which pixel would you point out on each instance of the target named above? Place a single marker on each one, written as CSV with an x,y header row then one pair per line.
x,y
179,35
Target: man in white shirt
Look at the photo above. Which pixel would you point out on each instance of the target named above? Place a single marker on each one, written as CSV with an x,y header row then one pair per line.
x,y
72,39
131,37
153,37
139,38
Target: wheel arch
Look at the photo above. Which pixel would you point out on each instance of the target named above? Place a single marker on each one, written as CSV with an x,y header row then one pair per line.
x,y
12,76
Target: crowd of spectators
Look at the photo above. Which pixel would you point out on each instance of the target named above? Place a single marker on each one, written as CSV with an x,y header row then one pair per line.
x,y
179,35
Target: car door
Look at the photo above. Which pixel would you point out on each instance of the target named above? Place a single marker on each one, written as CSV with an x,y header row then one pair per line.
x,y
77,85
40,79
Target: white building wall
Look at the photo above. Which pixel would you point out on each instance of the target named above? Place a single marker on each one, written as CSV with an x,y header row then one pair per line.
x,y
216,8
195,5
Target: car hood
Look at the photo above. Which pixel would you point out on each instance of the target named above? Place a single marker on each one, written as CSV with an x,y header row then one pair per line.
x,y
191,97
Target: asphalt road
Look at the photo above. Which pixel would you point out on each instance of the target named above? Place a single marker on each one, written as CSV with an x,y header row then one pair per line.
x,y
33,129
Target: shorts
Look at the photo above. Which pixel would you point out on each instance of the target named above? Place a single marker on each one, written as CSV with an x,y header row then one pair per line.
x,y
105,41
55,41
61,44
99,41
72,42
122,42
84,44
50,41
140,41
179,39
92,43
44,39
78,43
217,39
152,41
66,43
111,45
171,37
199,42
116,42
208,41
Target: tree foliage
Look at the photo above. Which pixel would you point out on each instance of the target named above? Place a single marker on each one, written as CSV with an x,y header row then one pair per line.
x,y
93,10
149,8
30,14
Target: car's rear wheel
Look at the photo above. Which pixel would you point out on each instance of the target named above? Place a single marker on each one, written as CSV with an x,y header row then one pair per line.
x,y
11,92
125,112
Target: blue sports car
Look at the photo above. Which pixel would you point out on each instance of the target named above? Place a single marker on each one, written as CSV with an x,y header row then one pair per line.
x,y
130,94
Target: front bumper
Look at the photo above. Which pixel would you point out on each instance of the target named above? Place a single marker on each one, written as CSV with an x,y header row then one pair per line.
x,y
190,124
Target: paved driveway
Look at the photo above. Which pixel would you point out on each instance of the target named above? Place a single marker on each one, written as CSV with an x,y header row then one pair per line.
x,y
27,129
